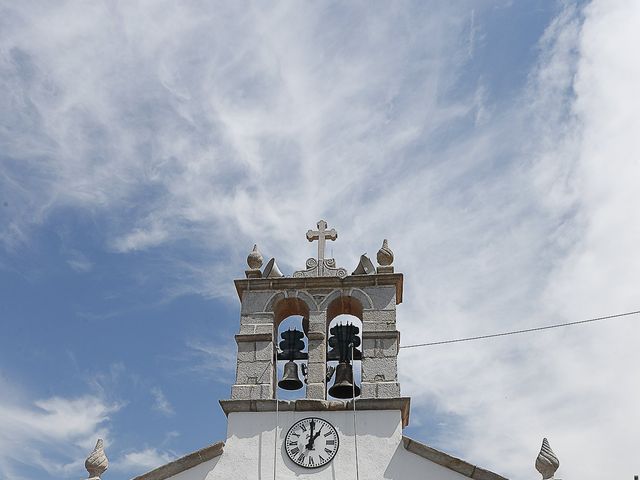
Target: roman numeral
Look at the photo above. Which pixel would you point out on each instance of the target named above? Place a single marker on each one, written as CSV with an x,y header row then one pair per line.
x,y
303,428
292,444
301,458
328,451
328,434
321,459
311,463
331,442
294,451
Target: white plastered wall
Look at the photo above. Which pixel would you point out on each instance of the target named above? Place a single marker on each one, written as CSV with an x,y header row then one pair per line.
x,y
249,450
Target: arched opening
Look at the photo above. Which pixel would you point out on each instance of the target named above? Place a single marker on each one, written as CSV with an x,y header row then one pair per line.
x,y
344,310
291,315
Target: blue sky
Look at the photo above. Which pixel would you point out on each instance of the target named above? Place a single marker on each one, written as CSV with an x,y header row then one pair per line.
x,y
146,146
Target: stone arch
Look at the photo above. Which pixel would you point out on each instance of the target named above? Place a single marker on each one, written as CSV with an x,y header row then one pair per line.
x,y
291,302
273,300
344,305
364,300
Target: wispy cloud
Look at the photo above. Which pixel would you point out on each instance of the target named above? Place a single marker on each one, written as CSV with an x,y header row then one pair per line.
x,y
143,460
54,434
211,360
160,402
196,132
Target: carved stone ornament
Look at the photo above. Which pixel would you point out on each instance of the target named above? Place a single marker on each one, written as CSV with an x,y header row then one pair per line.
x,y
97,462
547,462
385,258
254,260
385,255
321,267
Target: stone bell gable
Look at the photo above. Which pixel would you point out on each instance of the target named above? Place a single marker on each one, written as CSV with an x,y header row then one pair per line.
x,y
265,302
318,294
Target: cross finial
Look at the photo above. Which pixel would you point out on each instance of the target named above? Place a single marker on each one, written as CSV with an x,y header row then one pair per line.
x,y
321,267
322,235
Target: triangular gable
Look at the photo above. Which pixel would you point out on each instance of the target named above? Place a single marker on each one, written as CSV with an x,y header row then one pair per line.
x,y
184,463
447,461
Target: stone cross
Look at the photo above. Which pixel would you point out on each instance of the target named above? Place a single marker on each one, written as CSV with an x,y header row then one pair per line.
x,y
322,235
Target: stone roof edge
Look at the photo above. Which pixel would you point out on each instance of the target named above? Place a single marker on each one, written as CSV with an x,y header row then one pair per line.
x,y
448,461
310,405
284,283
183,463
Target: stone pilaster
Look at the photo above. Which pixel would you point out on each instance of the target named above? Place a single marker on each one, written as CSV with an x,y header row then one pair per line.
x,y
380,364
254,367
316,379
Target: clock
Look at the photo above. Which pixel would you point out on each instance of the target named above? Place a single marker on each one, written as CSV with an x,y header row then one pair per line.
x,y
311,442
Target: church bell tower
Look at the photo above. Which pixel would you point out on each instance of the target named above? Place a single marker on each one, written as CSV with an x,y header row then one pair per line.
x,y
319,294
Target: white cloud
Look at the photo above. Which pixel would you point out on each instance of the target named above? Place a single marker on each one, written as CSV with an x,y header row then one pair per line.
x,y
191,129
160,402
211,360
53,434
143,460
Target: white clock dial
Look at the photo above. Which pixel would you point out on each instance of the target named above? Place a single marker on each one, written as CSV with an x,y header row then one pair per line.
x,y
311,442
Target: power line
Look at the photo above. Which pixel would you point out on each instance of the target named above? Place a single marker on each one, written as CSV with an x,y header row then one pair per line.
x,y
515,332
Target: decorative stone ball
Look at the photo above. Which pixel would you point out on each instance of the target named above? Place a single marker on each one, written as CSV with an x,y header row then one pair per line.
x,y
254,260
385,255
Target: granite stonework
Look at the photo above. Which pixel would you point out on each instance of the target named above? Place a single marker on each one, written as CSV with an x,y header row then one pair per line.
x,y
265,302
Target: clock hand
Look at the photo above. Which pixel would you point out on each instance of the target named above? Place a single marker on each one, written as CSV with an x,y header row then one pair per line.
x,y
312,439
309,446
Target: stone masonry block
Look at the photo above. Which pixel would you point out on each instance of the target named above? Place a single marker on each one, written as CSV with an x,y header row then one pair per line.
x,y
263,351
252,328
380,369
380,347
378,326
316,391
317,372
248,373
383,297
388,390
251,392
317,322
385,316
246,351
367,390
254,301
256,319
241,392
317,350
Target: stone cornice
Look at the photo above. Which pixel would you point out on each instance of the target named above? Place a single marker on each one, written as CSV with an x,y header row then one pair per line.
x,y
184,463
308,405
304,283
448,461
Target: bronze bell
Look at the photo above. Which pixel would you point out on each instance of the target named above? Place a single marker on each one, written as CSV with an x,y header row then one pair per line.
x,y
343,387
290,379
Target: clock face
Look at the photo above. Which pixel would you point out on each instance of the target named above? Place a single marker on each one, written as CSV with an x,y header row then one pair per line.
x,y
311,442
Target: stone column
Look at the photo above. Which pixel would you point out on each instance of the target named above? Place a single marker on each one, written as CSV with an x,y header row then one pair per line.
x,y
316,379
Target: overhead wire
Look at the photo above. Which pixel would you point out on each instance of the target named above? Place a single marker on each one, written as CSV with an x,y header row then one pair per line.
x,y
517,332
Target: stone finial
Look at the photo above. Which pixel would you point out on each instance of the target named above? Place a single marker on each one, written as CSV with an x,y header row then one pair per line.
x,y
97,462
254,260
321,266
385,258
547,463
